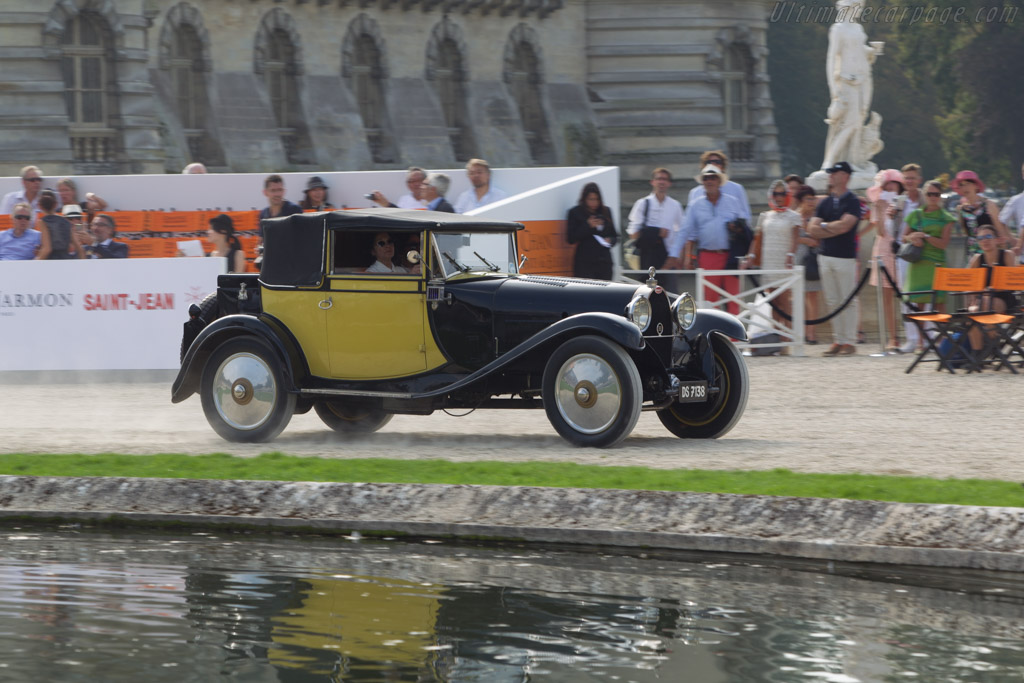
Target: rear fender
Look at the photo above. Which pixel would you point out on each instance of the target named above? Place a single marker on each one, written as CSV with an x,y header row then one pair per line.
x,y
265,328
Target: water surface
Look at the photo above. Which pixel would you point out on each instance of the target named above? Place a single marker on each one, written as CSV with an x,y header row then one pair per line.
x,y
80,605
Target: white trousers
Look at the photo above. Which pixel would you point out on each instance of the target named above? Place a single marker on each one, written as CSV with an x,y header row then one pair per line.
x,y
838,279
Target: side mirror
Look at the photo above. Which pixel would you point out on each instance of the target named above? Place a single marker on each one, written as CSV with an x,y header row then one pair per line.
x,y
413,256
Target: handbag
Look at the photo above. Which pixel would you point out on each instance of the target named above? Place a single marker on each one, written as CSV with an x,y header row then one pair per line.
x,y
910,252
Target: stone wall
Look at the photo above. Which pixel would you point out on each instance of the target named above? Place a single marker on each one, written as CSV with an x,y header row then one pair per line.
x,y
634,84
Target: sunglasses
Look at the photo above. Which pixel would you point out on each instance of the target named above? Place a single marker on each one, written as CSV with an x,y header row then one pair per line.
x,y
932,194
384,243
716,162
779,194
986,237
23,217
33,180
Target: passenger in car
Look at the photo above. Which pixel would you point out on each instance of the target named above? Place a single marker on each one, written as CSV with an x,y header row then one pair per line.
x,y
383,249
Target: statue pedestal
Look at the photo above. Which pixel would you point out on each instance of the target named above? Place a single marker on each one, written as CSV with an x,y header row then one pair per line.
x,y
859,181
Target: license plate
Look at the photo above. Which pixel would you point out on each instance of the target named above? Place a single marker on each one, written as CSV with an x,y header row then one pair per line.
x,y
693,392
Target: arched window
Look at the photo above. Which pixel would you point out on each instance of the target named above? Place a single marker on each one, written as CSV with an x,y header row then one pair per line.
x,y
736,71
190,97
280,74
366,81
449,78
89,85
522,74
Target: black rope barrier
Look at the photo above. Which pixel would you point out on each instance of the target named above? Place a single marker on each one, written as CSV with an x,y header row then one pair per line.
x,y
816,321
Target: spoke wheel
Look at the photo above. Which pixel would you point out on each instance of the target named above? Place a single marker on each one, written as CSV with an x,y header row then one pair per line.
x,y
591,391
243,392
351,418
721,413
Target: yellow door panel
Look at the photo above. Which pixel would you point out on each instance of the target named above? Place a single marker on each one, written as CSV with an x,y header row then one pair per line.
x,y
303,313
375,328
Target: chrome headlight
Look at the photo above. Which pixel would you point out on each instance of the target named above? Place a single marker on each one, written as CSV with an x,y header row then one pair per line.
x,y
684,310
639,312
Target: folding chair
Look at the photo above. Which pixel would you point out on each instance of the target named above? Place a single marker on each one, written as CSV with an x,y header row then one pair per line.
x,y
949,280
1010,326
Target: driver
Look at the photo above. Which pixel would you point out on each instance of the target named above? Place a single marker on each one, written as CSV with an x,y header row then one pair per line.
x,y
383,250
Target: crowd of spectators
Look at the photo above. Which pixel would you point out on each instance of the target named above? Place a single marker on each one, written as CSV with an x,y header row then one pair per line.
x,y
76,228
715,230
820,231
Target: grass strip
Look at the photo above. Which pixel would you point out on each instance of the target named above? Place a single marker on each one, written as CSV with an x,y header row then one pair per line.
x,y
280,467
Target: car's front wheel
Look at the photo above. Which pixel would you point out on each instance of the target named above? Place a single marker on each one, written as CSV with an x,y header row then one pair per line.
x,y
243,392
723,409
351,418
592,392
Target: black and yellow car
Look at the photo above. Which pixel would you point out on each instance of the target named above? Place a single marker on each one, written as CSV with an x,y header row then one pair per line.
x,y
457,326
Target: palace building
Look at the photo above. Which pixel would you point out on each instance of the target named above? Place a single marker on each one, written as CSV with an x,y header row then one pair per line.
x,y
147,86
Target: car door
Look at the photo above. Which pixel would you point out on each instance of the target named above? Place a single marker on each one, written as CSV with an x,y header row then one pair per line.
x,y
375,326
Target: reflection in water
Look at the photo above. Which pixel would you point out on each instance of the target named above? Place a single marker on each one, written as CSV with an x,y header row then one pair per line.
x,y
171,607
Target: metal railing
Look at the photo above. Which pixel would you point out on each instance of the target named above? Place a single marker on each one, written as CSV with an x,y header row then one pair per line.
x,y
753,300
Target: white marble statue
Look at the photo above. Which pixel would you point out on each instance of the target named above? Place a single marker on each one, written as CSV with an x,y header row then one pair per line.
x,y
852,137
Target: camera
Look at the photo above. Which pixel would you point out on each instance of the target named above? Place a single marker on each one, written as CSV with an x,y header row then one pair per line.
x,y
369,195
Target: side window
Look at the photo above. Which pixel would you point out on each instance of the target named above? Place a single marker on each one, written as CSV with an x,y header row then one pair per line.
x,y
374,252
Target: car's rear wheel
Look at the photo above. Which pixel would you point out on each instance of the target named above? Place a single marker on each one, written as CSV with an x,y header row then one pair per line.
x,y
243,392
592,392
725,406
351,418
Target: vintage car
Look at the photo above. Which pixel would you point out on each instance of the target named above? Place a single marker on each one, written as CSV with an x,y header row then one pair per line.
x,y
464,328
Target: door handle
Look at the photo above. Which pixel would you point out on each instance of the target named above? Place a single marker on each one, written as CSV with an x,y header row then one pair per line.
x,y
326,304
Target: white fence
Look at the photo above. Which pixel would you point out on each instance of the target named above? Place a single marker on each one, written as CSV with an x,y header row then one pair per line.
x,y
753,301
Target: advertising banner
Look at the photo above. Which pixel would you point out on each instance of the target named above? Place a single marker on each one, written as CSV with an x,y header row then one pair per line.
x,y
109,314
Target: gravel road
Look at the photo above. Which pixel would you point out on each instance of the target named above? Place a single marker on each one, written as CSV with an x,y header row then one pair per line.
x,y
813,414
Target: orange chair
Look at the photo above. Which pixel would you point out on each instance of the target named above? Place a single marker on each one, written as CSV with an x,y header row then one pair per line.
x,y
1010,325
959,280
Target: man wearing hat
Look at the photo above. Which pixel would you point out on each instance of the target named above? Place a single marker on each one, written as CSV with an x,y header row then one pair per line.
x,y
703,241
717,157
835,223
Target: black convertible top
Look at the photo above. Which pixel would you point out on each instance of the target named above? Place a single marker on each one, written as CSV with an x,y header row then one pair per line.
x,y
401,220
293,246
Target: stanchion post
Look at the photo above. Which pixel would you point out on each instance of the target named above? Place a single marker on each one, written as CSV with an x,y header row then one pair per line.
x,y
883,331
796,298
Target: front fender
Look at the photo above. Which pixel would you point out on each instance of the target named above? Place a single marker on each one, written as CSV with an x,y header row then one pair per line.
x,y
712,320
265,328
615,327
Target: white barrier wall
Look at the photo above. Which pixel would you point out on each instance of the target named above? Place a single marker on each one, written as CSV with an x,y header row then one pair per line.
x,y
99,315
127,314
244,191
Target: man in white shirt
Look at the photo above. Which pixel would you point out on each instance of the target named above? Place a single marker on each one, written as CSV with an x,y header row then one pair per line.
x,y
32,183
717,157
482,193
653,221
414,177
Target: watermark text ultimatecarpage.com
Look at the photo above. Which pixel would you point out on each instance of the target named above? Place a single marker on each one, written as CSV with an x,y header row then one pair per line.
x,y
800,12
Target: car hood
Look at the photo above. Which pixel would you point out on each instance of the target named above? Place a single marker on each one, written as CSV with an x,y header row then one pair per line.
x,y
558,297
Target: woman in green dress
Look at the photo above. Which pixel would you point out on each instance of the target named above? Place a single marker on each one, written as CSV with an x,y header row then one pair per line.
x,y
929,226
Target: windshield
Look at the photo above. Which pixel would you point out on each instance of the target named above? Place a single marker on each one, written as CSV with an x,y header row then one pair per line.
x,y
476,251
